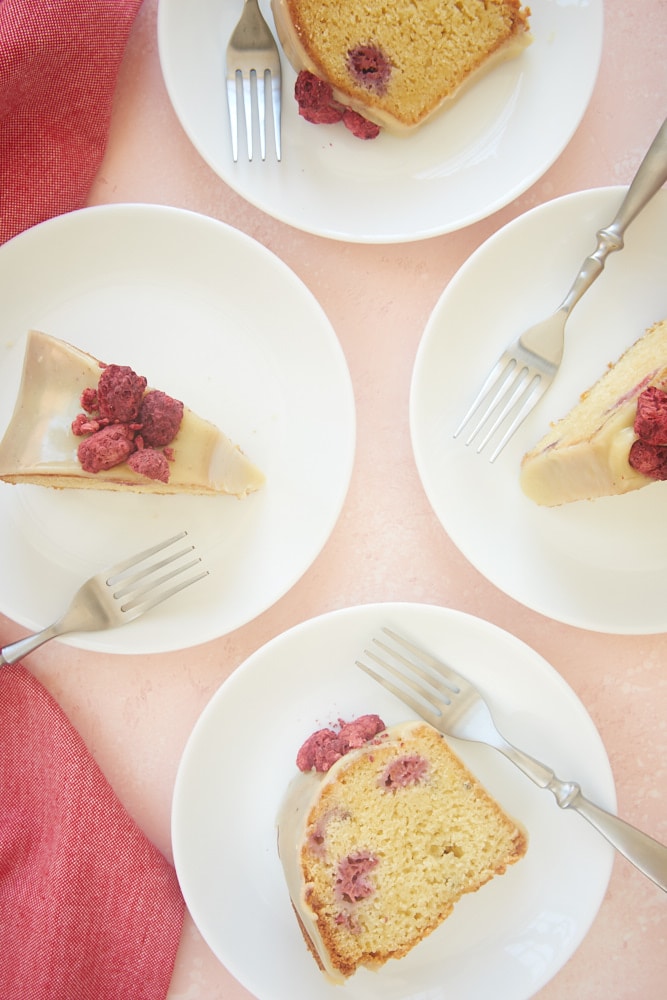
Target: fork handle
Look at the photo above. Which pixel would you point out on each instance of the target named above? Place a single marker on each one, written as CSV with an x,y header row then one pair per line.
x,y
17,650
645,853
648,180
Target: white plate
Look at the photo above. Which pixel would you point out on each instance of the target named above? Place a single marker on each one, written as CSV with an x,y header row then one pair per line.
x,y
215,319
502,944
596,565
479,155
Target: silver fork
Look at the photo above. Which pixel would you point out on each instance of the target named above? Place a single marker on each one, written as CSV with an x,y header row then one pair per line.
x,y
117,596
253,58
528,366
451,704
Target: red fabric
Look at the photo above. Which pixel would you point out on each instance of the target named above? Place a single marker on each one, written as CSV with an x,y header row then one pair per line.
x,y
89,908
59,61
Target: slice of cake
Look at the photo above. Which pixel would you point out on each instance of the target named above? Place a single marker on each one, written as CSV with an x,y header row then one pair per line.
x,y
396,64
614,439
378,848
81,424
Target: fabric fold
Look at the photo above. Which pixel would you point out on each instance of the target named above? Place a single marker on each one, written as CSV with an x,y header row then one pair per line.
x,y
59,63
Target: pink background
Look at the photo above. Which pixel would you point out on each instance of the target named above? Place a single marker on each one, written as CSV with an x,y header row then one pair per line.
x,y
136,713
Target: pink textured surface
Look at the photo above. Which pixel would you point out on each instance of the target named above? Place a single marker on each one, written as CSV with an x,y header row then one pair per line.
x,y
89,908
136,713
59,61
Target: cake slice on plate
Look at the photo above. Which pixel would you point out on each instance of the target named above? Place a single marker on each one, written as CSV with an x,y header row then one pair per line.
x,y
379,846
395,64
81,424
614,439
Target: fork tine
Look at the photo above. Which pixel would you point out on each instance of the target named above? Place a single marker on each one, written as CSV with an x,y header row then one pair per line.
x,y
139,601
276,104
492,386
117,571
453,680
510,392
423,708
518,392
533,392
233,116
137,606
130,585
246,90
261,111
430,681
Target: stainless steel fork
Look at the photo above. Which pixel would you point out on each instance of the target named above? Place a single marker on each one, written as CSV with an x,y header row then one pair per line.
x,y
451,704
528,366
253,64
118,595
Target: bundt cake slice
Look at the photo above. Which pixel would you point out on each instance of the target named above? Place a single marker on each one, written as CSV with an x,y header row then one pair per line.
x,y
378,849
398,63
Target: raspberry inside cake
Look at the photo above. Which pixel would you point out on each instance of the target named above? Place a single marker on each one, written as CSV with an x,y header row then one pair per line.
x,y
378,849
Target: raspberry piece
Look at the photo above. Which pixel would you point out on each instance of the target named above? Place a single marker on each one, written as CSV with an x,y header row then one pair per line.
x,y
150,463
404,771
106,448
119,393
321,116
311,92
89,400
360,126
651,419
160,417
83,424
370,68
650,459
352,882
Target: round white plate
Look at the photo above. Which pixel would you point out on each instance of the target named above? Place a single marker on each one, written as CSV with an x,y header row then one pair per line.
x,y
215,319
480,154
501,944
598,565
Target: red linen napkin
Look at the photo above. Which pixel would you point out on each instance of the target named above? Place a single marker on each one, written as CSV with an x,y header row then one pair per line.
x,y
59,61
89,908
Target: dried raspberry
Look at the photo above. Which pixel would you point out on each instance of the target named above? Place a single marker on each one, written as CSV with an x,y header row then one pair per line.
x,y
360,126
649,459
119,393
322,116
325,746
355,734
651,419
311,92
106,448
83,424
89,400
160,417
150,463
